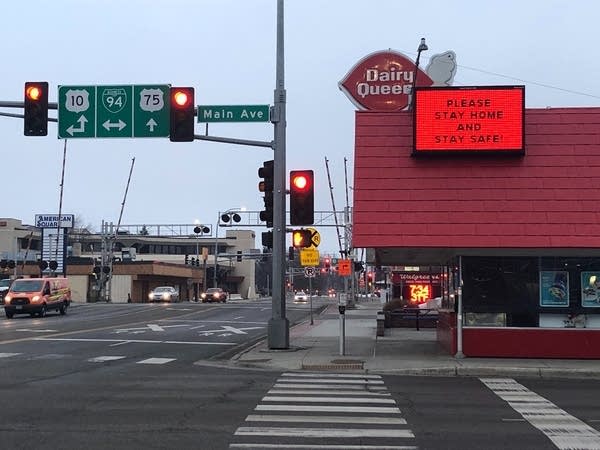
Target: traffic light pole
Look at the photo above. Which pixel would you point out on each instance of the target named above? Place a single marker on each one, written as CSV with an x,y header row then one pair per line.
x,y
278,329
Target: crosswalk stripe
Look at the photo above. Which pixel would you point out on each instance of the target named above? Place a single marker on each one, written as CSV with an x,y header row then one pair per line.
x,y
318,408
328,386
328,392
330,375
326,419
324,432
565,431
105,358
329,381
327,399
156,361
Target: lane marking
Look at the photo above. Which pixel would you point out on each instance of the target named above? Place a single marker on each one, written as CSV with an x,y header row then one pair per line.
x,y
316,447
328,399
36,331
325,419
106,358
323,432
320,408
156,361
8,355
564,430
133,341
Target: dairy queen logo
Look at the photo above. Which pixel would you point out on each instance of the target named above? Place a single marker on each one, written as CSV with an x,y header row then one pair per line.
x,y
383,81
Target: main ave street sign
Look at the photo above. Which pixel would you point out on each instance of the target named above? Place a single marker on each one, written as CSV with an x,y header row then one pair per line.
x,y
233,113
113,111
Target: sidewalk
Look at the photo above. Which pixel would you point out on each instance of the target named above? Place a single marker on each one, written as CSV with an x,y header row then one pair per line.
x,y
402,351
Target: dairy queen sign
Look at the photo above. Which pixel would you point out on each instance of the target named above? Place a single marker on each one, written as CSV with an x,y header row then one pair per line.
x,y
383,81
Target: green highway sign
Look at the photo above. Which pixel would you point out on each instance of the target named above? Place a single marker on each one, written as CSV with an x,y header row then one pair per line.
x,y
233,113
113,111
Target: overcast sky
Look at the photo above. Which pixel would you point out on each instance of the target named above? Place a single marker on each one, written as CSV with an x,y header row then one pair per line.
x,y
226,50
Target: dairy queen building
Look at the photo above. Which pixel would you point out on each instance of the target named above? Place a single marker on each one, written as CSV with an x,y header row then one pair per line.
x,y
501,197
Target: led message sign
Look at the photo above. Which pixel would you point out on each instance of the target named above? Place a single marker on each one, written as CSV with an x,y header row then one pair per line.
x,y
419,293
471,120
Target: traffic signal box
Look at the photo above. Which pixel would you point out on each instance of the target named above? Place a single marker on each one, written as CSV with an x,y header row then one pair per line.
x,y
182,114
302,197
35,116
301,238
266,186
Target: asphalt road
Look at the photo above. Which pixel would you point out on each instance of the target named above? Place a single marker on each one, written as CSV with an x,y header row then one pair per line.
x,y
152,377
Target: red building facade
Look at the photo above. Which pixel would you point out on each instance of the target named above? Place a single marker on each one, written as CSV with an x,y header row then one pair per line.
x,y
521,232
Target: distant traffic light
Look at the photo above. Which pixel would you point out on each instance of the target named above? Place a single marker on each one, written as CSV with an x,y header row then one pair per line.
x,y
182,114
266,186
239,256
35,107
302,197
267,239
53,265
327,263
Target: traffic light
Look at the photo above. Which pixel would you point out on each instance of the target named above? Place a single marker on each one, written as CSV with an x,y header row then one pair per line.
x,y
302,197
187,259
182,114
239,256
53,265
43,265
267,239
266,186
327,263
35,106
301,238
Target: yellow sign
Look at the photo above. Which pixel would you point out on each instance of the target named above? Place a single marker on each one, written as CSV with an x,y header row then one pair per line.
x,y
344,269
309,257
315,238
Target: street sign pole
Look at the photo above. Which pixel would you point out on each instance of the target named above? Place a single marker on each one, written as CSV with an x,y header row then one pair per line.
x,y
278,328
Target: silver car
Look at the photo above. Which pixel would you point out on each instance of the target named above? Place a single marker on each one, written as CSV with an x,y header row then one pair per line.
x,y
163,294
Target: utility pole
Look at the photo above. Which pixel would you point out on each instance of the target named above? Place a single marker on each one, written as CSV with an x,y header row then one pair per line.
x,y
278,328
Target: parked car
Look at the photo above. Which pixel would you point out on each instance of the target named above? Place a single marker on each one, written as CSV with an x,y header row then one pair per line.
x,y
4,285
300,297
214,295
164,294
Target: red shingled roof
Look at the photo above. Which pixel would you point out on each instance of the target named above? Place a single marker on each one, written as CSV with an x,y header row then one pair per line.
x,y
549,198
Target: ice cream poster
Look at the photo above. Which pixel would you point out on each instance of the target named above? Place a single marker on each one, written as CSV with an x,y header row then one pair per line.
x,y
590,289
554,288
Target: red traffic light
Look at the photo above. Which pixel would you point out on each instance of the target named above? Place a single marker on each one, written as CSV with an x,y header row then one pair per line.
x,y
33,92
302,200
35,109
300,182
181,101
181,97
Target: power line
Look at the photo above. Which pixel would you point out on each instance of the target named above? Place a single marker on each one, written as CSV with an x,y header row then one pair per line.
x,y
509,77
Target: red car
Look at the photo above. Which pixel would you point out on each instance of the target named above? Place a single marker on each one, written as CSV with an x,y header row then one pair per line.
x,y
214,295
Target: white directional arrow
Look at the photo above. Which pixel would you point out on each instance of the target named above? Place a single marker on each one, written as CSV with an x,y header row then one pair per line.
x,y
151,124
149,327
82,120
108,125
225,328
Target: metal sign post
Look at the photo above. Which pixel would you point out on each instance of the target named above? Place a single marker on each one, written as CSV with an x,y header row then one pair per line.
x,y
342,309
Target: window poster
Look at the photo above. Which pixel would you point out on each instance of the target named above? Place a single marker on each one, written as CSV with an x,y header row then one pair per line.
x,y
554,288
590,289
